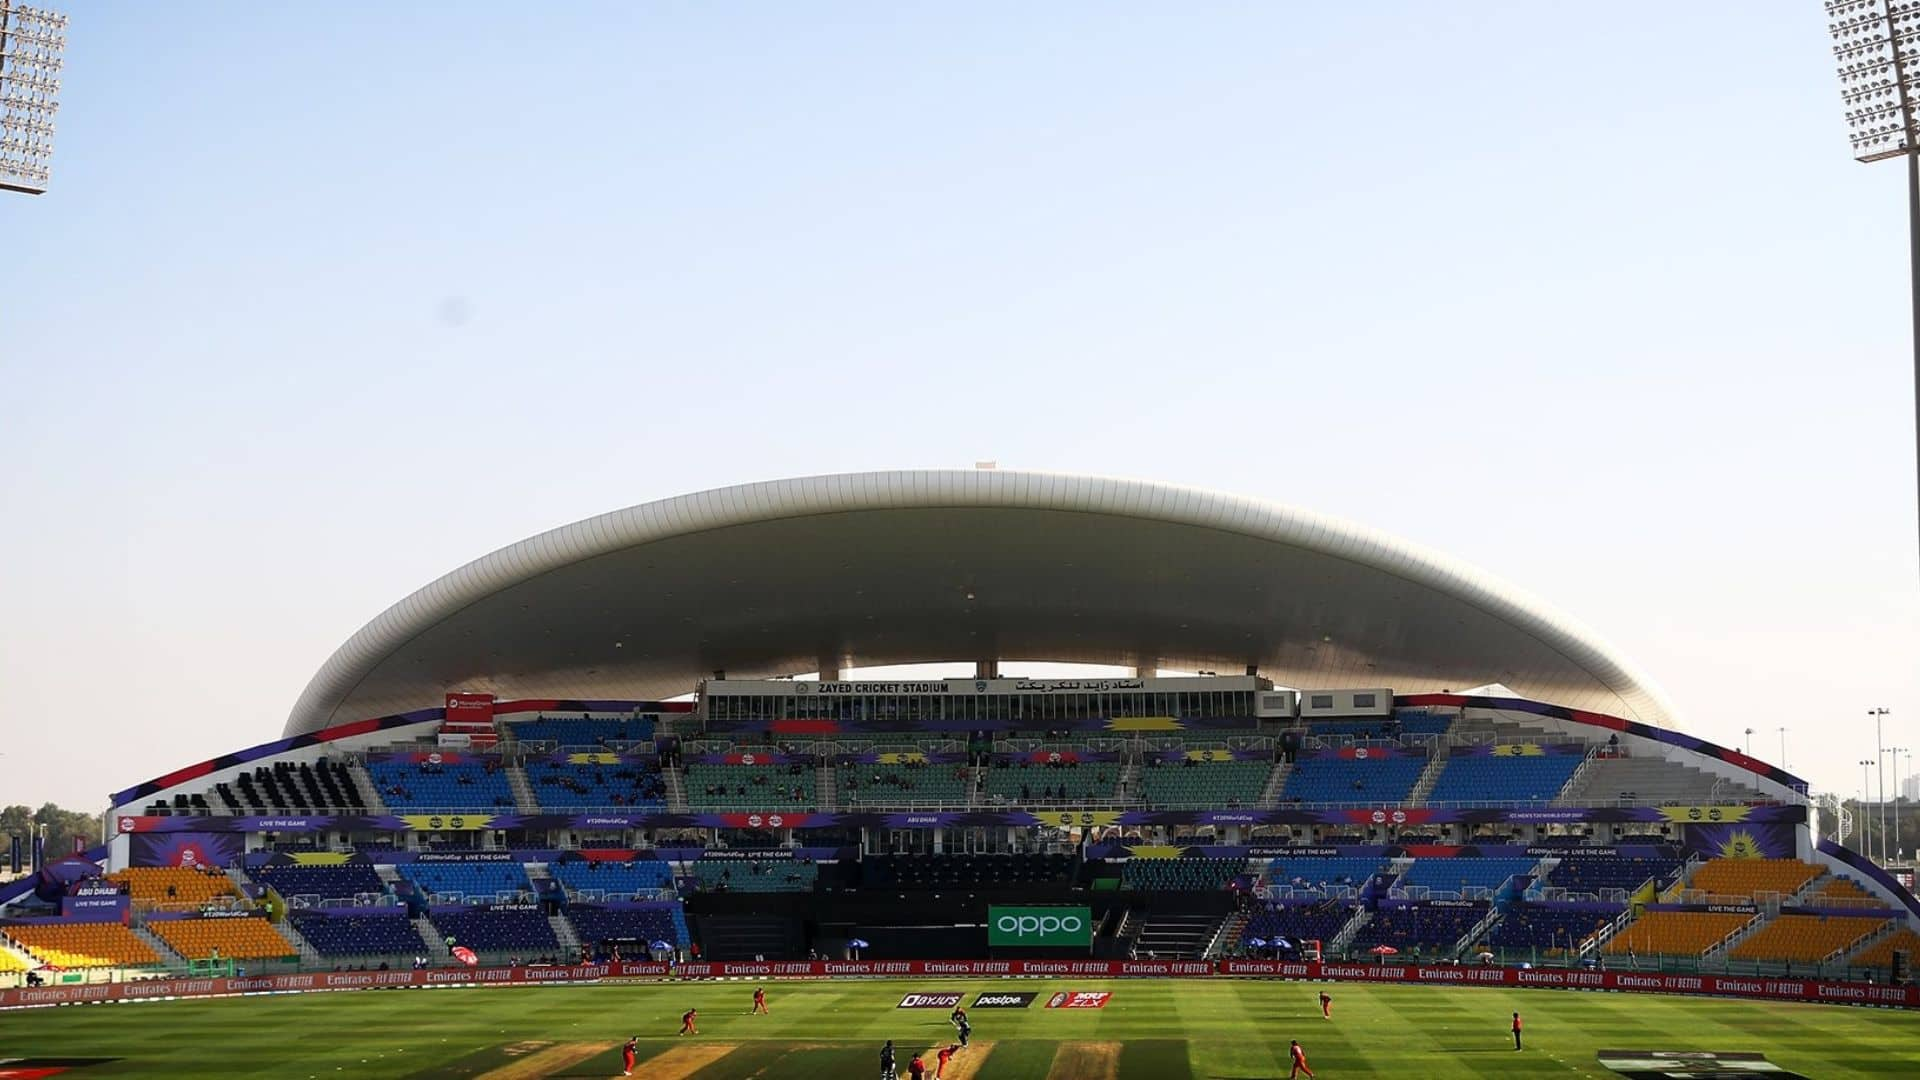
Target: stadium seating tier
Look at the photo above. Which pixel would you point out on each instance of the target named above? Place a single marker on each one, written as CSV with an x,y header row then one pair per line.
x,y
1675,933
244,938
84,945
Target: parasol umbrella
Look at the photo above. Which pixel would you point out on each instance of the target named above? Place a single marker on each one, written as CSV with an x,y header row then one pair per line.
x,y
660,946
1383,950
1257,942
465,955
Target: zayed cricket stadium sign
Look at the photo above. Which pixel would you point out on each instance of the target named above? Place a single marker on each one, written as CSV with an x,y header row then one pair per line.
x,y
1036,927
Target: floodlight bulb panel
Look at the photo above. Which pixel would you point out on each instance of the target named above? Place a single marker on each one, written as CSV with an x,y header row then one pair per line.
x,y
32,41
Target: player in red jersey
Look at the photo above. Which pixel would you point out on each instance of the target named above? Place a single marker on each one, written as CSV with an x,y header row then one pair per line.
x,y
916,1069
687,1025
1299,1061
1516,1031
945,1055
760,1001
1326,1005
627,1054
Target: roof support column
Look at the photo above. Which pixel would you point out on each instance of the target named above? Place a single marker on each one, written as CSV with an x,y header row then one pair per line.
x,y
986,669
1146,667
829,668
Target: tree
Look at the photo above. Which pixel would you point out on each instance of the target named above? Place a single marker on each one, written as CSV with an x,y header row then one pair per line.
x,y
62,827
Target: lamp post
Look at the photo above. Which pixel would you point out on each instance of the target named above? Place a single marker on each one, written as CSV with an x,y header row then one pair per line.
x,y
1876,47
31,43
1748,748
1783,748
1866,841
1896,751
1879,755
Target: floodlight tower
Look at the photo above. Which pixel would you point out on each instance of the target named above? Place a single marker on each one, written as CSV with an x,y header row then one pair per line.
x,y
1876,47
32,41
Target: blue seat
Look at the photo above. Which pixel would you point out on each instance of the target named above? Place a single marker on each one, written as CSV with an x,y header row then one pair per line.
x,y
1503,779
387,933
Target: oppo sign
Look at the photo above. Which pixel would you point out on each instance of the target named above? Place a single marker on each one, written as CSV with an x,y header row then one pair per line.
x,y
1070,927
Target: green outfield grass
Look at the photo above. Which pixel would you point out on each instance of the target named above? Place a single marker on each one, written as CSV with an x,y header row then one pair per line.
x,y
1150,1030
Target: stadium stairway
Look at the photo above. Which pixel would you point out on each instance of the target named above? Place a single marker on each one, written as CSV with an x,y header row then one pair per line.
x,y
1176,937
309,956
523,797
160,948
436,942
1576,782
1480,929
1225,935
676,782
369,791
1276,782
1338,946
825,789
1127,934
563,931
1429,776
12,959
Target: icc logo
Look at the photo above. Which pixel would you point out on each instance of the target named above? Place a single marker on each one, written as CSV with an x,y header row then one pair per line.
x,y
433,823
1399,817
746,759
1693,812
1360,752
456,822
433,759
775,820
1379,816
753,820
126,824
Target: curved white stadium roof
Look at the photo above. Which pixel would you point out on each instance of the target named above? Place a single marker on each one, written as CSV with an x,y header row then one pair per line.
x,y
899,567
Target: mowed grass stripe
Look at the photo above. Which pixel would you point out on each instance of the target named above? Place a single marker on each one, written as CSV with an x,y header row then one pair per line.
x,y
1155,1059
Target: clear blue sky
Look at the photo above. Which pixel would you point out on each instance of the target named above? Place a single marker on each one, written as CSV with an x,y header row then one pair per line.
x,y
327,301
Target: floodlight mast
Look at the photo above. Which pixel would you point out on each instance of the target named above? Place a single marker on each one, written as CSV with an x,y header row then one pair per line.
x,y
1876,49
31,43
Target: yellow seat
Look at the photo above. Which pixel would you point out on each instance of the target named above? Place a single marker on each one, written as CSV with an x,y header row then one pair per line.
x,y
83,945
1675,933
172,884
1846,889
246,938
1806,938
1880,953
1749,877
